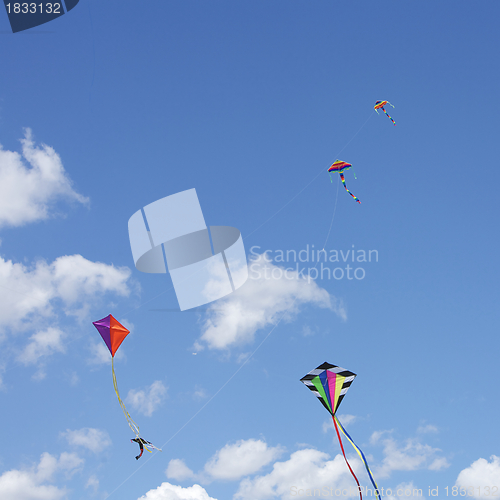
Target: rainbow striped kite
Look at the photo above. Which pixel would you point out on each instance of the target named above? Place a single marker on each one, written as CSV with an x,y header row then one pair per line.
x,y
340,167
380,105
329,383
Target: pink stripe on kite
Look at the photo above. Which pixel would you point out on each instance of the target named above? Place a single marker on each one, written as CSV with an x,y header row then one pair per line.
x,y
332,379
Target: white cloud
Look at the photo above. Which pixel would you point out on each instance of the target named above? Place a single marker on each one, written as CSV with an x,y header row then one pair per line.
x,y
412,455
43,344
405,490
438,464
70,463
427,429
167,491
306,472
31,484
307,331
234,461
178,470
147,401
93,439
199,393
71,279
481,477
269,295
93,483
27,193
100,355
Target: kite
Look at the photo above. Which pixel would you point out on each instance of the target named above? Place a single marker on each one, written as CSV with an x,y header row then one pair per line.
x,y
340,167
380,105
329,383
113,334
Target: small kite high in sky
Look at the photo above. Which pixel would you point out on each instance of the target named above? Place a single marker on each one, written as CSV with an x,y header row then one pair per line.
x,y
113,334
380,105
329,383
339,167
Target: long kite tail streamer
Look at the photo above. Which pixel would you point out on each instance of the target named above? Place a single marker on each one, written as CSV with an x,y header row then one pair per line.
x,y
342,178
383,109
133,426
345,458
360,453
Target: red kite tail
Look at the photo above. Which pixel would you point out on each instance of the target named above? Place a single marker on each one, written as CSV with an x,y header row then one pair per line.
x,y
345,458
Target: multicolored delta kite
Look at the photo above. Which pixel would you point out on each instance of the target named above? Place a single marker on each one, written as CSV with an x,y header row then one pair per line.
x,y
339,167
329,383
113,334
380,105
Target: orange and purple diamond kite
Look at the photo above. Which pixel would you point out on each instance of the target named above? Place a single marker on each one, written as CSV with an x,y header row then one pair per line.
x,y
113,333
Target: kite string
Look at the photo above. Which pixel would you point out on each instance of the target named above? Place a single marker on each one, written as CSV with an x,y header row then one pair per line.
x,y
345,458
270,332
361,455
220,389
333,215
310,182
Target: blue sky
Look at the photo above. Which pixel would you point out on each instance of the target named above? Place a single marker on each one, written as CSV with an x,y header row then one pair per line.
x,y
250,102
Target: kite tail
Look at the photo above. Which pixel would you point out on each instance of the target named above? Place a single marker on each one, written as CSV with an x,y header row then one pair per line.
x,y
133,426
389,115
345,458
361,455
342,178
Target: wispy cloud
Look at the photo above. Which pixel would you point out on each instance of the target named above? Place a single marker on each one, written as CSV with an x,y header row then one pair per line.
x,y
146,401
94,440
262,301
42,344
411,454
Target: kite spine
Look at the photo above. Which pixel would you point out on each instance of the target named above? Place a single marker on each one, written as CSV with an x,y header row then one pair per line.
x,y
360,453
345,458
